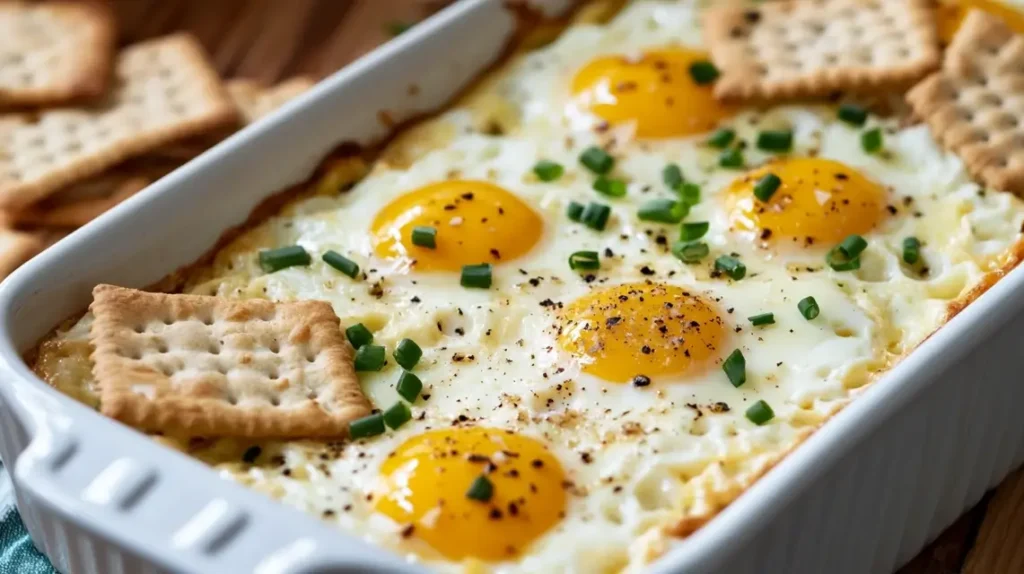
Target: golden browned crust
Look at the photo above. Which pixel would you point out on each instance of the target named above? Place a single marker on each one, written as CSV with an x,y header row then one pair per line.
x,y
794,49
974,105
55,52
167,90
210,366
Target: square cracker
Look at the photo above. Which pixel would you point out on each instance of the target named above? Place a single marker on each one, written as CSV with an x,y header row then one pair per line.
x,y
974,105
54,52
209,366
165,90
814,48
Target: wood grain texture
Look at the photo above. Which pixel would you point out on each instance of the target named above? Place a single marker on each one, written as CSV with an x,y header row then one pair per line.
x,y
998,547
270,40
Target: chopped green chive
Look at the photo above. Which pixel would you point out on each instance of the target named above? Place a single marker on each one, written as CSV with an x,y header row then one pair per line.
x,y
838,262
911,250
808,308
663,211
846,255
760,413
424,236
366,427
762,319
584,260
689,193
766,187
703,73
690,251
871,140
731,267
409,386
597,160
695,230
341,263
775,140
853,115
370,358
397,415
595,216
548,170
358,335
477,276
721,138
735,367
672,176
731,158
272,260
407,354
481,489
574,211
610,187
853,246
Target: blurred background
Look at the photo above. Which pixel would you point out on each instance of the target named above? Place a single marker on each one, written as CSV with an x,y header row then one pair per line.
x,y
272,40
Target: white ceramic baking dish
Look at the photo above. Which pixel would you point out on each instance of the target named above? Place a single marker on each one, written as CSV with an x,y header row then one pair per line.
x,y
863,494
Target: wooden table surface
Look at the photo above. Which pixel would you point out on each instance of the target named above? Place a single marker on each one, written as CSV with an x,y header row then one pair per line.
x,y
271,40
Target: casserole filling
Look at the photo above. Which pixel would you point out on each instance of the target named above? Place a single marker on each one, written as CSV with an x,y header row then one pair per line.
x,y
622,300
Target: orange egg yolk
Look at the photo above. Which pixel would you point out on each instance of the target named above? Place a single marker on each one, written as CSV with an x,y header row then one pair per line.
x,y
655,92
951,14
819,202
426,481
476,222
642,329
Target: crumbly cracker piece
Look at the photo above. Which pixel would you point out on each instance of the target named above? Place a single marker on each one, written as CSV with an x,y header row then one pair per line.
x,y
255,100
165,90
17,247
54,52
974,105
813,48
211,366
81,203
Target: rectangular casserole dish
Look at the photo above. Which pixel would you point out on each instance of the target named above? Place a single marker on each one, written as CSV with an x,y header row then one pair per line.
x,y
863,494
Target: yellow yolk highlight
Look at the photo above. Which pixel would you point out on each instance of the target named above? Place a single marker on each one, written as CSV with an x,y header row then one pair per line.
x,y
426,480
951,14
655,92
640,329
476,222
820,202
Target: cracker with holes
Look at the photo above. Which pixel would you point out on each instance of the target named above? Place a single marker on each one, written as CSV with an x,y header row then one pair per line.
x,y
209,366
54,52
794,49
165,90
974,105
255,100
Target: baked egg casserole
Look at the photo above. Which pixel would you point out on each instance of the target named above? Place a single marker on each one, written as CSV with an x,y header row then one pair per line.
x,y
591,303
